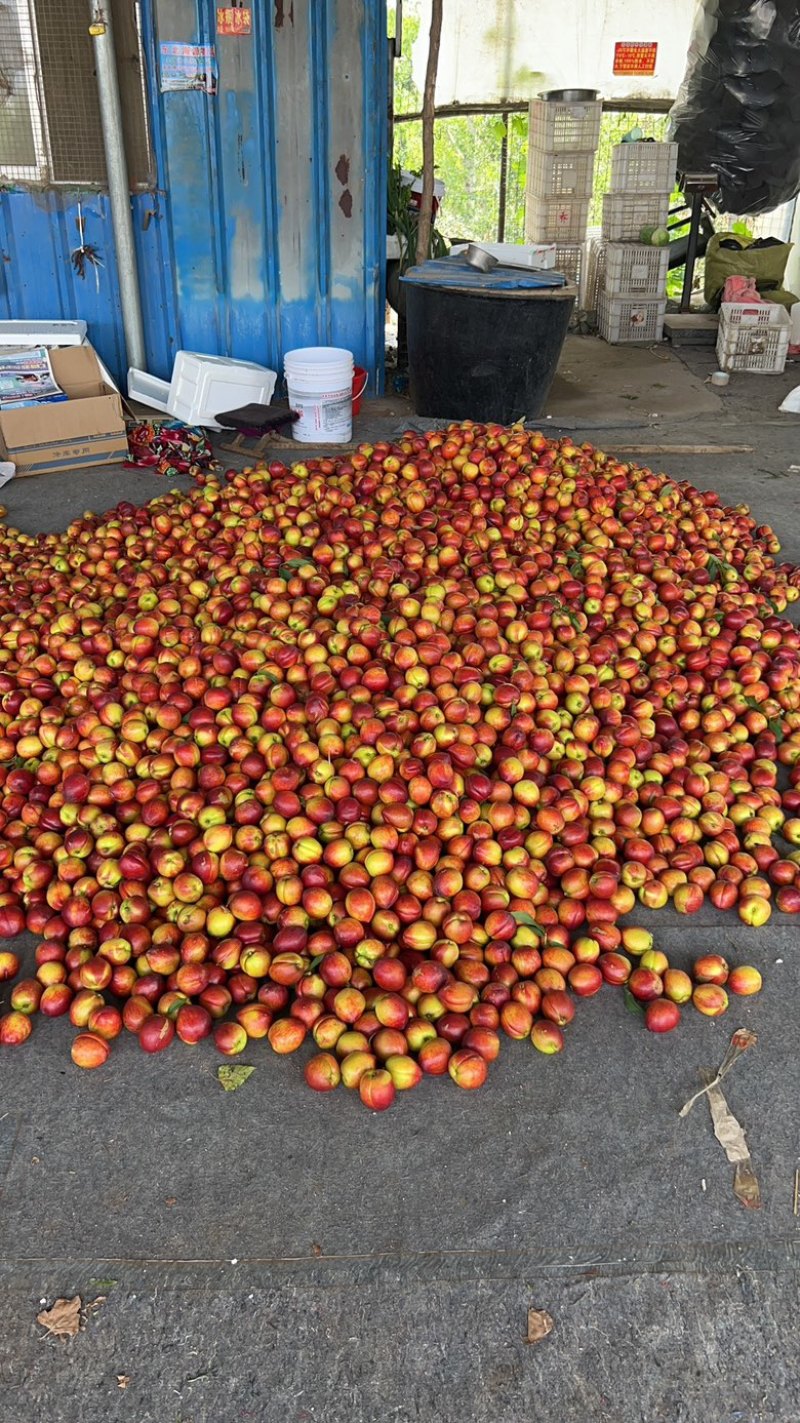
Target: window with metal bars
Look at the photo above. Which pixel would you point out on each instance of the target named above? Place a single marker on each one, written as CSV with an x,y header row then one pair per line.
x,y
50,130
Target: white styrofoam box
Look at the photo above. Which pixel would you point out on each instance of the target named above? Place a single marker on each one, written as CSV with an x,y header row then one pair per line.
x,y
204,386
559,175
537,256
644,167
559,220
625,214
557,128
148,390
42,333
753,337
634,268
622,319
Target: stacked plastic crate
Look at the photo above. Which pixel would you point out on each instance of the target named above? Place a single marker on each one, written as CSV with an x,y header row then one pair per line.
x,y
563,140
631,275
753,337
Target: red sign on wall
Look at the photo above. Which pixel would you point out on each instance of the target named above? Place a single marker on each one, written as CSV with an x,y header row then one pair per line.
x,y
631,57
234,20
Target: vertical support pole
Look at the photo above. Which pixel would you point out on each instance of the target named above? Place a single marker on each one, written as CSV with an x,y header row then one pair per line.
x,y
691,251
502,202
119,192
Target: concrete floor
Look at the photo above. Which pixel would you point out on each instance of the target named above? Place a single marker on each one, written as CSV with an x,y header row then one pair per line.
x,y
273,1255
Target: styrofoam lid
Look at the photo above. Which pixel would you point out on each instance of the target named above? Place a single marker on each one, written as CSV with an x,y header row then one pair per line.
x,y
42,333
214,361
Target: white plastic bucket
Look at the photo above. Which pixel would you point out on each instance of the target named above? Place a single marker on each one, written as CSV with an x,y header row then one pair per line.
x,y
319,381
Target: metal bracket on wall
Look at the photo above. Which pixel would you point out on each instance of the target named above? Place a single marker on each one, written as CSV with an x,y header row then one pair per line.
x,y
397,42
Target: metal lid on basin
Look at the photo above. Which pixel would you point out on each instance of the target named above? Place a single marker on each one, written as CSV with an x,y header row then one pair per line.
x,y
571,96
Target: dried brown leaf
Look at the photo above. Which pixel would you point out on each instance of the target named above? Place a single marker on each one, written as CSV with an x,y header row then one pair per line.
x,y
730,1135
741,1040
540,1323
745,1186
122,1380
63,1320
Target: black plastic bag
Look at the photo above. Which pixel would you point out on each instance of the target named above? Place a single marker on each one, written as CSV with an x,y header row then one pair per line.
x,y
738,110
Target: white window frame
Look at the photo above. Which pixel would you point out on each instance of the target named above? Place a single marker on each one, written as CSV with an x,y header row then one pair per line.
x,y
37,172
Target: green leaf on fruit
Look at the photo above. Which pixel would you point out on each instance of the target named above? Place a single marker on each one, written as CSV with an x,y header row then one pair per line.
x,y
315,963
632,1004
776,727
528,919
286,570
232,1075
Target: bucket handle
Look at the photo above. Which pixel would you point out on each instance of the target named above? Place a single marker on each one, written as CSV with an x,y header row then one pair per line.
x,y
358,393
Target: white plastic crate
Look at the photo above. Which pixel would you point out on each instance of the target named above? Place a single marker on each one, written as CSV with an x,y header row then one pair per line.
x,y
594,271
753,337
560,220
569,261
622,319
644,167
632,268
559,175
625,214
556,128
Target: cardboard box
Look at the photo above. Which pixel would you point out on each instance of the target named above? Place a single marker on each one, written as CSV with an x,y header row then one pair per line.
x,y
87,429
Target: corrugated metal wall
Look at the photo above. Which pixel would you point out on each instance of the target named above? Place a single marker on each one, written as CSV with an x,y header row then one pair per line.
x,y
268,227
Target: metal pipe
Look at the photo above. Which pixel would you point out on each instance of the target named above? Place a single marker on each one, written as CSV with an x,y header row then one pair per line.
x,y
119,192
610,106
691,252
503,194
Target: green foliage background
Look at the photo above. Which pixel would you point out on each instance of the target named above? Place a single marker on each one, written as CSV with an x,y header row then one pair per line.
x,y
468,156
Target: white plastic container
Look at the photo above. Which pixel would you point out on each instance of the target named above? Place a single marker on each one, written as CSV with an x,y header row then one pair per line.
x,y
625,214
753,337
644,167
622,319
794,316
557,127
632,267
570,261
319,382
559,175
560,220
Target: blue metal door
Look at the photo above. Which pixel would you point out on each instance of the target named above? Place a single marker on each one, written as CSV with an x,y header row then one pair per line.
x,y
267,228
